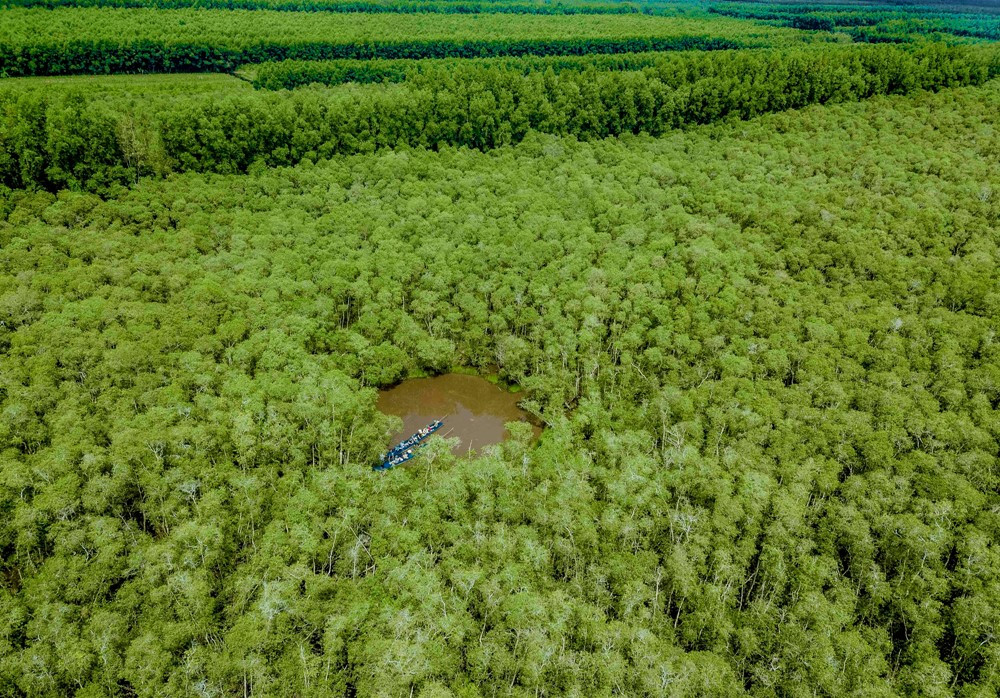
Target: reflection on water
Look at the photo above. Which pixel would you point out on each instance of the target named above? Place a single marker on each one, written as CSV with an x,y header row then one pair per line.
x,y
474,410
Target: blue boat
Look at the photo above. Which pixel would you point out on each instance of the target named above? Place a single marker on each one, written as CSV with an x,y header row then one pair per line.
x,y
399,459
405,450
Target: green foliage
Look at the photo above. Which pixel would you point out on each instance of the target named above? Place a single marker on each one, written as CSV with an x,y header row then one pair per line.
x,y
763,343
374,6
287,75
871,22
766,353
454,104
133,89
107,40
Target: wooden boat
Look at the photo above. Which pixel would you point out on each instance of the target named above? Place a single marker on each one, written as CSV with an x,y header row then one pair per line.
x,y
405,450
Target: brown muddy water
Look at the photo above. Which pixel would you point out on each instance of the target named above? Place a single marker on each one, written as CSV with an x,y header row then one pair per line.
x,y
474,410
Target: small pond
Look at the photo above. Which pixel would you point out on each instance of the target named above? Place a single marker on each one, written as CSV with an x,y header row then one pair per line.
x,y
474,410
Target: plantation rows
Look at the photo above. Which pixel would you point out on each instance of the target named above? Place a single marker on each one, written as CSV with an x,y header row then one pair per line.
x,y
239,28
918,7
60,42
867,23
54,139
101,57
287,75
368,6
674,70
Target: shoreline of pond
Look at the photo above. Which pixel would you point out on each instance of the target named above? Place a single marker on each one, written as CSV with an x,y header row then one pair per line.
x,y
473,407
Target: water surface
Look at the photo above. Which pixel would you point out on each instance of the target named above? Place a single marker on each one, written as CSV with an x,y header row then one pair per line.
x,y
474,410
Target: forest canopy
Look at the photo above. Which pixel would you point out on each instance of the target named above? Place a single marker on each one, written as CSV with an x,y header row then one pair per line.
x,y
741,261
35,41
766,354
53,138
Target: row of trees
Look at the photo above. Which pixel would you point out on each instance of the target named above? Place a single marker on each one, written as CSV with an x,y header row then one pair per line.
x,y
767,353
146,56
899,69
52,139
868,21
288,75
573,7
106,40
29,26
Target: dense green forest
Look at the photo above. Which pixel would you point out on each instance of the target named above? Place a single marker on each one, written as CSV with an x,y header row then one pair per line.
x,y
106,40
742,76
58,138
867,23
540,7
741,259
766,353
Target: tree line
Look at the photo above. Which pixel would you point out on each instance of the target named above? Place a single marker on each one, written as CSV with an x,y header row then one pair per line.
x,y
288,75
53,139
105,56
867,22
364,6
107,40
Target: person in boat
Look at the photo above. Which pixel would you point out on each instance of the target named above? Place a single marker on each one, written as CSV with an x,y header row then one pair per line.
x,y
403,451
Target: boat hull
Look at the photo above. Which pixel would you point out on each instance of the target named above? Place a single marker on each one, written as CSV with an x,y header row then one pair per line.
x,y
403,451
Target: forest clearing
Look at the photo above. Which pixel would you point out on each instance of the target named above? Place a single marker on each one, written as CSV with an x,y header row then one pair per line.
x,y
741,261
